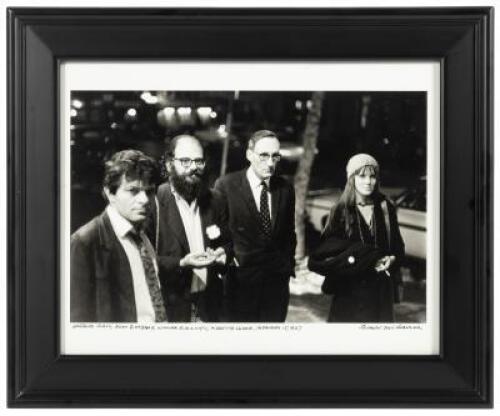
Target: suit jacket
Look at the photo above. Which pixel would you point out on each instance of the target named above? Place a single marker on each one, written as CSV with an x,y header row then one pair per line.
x,y
251,248
102,289
172,244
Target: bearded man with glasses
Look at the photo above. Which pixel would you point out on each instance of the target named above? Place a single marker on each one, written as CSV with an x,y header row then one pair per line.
x,y
259,211
192,246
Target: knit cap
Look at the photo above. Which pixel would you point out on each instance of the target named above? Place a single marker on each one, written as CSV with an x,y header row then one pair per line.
x,y
358,161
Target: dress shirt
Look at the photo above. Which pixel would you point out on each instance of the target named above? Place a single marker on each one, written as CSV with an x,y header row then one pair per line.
x,y
190,215
122,227
256,187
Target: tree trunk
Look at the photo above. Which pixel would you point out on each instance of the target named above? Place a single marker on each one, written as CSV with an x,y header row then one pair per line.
x,y
229,126
302,176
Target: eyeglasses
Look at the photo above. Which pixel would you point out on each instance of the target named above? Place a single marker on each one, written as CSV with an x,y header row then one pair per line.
x,y
187,162
264,157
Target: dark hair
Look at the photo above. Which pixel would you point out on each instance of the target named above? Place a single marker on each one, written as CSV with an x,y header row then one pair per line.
x,y
346,207
170,152
258,135
133,164
172,144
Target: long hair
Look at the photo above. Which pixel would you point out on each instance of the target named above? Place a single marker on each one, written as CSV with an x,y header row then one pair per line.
x,y
346,207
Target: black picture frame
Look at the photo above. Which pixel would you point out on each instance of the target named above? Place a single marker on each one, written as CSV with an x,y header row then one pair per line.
x,y
460,376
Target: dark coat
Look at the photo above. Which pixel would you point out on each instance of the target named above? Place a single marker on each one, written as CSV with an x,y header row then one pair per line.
x,y
172,246
360,294
258,288
250,245
101,288
339,259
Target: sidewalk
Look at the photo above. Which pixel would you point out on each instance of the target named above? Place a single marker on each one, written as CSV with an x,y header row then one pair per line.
x,y
308,304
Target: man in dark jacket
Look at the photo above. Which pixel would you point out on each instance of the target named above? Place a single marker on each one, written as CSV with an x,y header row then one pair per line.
x,y
114,274
259,211
192,246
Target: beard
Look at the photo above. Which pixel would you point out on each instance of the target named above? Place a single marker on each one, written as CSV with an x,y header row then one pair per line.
x,y
189,187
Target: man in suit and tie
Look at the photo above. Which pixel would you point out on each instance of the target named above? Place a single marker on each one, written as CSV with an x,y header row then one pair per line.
x,y
114,274
259,211
192,246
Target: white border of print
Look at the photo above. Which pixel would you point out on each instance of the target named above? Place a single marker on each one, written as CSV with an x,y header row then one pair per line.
x,y
296,339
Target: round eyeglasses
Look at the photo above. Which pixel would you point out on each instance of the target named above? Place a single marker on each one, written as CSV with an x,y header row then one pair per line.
x,y
187,162
264,157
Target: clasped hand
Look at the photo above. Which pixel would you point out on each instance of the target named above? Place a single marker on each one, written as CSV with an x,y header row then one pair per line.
x,y
205,259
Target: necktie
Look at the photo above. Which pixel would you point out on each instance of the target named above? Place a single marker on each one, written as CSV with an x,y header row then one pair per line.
x,y
151,280
265,217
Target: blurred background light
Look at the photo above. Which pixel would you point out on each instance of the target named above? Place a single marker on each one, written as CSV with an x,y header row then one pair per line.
x,y
148,98
184,111
222,130
204,111
77,104
169,111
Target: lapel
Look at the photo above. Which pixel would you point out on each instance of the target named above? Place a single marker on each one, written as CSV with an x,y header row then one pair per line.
x,y
174,219
246,191
105,233
275,201
116,263
108,262
206,221
206,217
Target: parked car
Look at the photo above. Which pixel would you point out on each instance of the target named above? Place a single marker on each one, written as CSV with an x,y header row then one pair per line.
x,y
318,205
412,218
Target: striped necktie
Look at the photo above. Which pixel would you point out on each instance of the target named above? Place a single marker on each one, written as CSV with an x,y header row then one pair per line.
x,y
151,279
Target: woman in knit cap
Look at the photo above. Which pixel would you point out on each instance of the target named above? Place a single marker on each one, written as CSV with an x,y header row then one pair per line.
x,y
363,274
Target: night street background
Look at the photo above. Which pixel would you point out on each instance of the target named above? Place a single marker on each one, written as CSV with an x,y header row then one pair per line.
x,y
391,126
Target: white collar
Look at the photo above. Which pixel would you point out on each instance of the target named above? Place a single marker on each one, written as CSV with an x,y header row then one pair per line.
x,y
120,225
255,181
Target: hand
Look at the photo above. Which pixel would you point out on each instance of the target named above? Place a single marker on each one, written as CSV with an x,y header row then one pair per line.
x,y
197,260
391,260
219,253
384,264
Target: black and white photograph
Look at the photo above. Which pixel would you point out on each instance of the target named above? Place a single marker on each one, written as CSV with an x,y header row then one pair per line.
x,y
232,207
247,208
253,206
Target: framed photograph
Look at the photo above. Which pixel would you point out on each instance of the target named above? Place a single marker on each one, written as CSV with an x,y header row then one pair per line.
x,y
280,207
